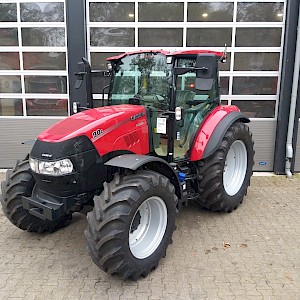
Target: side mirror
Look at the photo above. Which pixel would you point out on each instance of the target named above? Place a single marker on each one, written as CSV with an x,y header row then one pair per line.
x,y
206,71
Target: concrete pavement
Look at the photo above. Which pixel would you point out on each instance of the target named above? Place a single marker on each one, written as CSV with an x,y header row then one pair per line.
x,y
252,253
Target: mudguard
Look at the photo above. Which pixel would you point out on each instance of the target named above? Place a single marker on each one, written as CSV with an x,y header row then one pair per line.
x,y
135,161
213,130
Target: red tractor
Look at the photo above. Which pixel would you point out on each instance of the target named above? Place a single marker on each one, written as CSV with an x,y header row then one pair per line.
x,y
162,140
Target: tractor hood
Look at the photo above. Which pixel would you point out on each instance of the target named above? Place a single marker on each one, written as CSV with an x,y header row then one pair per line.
x,y
111,128
92,123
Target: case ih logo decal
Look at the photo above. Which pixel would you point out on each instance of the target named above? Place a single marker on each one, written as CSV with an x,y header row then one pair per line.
x,y
46,155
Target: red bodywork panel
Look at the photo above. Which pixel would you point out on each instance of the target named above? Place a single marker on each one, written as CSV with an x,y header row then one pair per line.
x,y
207,128
110,128
167,53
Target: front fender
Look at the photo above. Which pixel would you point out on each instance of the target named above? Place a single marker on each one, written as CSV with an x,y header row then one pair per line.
x,y
213,130
133,161
136,161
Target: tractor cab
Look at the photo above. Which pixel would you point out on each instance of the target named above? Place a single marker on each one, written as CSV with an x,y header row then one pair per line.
x,y
178,90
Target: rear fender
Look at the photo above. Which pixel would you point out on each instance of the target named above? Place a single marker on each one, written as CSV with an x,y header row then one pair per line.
x,y
213,130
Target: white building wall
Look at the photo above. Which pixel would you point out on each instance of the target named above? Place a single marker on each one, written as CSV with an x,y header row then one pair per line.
x,y
33,72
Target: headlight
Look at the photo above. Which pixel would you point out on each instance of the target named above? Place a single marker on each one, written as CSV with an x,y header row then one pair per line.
x,y
34,164
54,168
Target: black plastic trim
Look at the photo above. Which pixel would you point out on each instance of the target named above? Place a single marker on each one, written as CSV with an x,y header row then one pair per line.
x,y
136,161
58,150
89,170
133,161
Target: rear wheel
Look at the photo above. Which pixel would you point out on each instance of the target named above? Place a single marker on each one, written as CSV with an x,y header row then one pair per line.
x,y
225,175
132,224
20,182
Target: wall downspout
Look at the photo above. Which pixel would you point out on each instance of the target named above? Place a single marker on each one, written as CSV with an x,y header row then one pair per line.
x,y
289,140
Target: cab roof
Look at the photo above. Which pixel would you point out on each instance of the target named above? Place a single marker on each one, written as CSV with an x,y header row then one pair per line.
x,y
167,53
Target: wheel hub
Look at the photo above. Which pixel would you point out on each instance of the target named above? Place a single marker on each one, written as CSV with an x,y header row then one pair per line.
x,y
235,167
136,222
148,227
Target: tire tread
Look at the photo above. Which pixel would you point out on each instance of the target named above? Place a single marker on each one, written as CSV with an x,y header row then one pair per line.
x,y
106,233
210,172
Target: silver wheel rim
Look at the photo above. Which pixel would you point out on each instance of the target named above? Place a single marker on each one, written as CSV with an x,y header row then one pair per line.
x,y
148,227
235,167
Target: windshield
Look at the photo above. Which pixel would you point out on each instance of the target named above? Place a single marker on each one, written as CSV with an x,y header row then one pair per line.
x,y
142,78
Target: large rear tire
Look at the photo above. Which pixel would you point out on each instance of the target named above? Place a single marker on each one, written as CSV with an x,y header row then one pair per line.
x,y
20,182
225,175
132,224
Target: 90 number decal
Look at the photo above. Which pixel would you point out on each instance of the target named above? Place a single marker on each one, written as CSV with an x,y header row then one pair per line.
x,y
96,133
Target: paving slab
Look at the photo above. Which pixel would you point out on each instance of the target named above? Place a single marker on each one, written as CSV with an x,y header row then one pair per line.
x,y
251,253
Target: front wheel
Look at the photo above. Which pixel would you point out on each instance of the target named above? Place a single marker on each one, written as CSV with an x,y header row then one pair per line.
x,y
132,224
20,182
225,175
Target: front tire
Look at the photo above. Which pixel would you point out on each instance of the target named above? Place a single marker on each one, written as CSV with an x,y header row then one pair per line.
x,y
132,224
225,175
20,182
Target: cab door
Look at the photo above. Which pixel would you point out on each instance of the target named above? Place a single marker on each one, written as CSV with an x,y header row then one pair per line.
x,y
195,105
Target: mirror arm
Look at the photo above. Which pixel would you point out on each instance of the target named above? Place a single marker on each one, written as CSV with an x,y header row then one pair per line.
x,y
182,71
